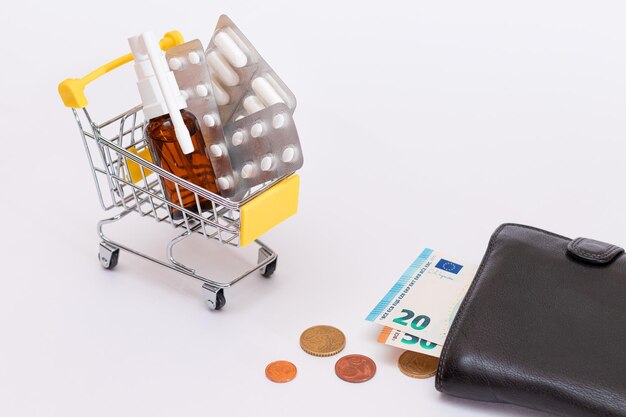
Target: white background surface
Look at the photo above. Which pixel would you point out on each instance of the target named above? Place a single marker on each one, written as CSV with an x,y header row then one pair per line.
x,y
423,124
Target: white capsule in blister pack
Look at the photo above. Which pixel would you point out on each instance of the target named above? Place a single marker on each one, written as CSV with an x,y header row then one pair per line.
x,y
246,83
262,150
256,108
244,110
188,63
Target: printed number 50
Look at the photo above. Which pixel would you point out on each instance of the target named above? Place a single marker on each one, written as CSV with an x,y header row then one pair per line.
x,y
409,339
418,323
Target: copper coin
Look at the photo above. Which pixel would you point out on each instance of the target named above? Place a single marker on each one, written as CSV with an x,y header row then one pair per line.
x,y
355,368
281,371
418,365
322,340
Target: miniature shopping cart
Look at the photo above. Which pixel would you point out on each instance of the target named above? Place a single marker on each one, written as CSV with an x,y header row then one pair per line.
x,y
127,180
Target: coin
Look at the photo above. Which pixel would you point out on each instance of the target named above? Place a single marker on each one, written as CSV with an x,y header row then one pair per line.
x,y
418,365
281,371
355,368
322,340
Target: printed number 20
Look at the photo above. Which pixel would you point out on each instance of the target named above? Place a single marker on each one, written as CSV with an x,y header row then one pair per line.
x,y
418,323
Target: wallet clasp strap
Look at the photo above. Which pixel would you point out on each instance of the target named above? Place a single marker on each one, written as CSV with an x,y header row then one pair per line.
x,y
593,251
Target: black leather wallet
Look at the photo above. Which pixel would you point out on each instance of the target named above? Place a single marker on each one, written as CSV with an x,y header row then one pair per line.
x,y
543,326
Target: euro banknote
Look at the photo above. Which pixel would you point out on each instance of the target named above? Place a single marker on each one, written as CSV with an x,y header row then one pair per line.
x,y
403,340
425,299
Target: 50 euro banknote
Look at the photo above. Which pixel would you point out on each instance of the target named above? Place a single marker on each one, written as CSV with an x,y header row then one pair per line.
x,y
425,299
403,340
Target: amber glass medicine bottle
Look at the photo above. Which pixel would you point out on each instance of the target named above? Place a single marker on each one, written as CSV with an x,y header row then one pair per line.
x,y
173,133
194,167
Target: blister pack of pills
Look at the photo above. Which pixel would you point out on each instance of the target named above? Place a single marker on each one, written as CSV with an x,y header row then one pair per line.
x,y
264,146
256,108
244,110
243,82
188,63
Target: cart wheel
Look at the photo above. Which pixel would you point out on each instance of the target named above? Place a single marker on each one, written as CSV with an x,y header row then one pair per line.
x,y
214,297
220,300
108,255
264,255
269,268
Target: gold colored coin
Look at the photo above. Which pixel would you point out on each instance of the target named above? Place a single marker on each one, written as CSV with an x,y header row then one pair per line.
x,y
322,341
418,365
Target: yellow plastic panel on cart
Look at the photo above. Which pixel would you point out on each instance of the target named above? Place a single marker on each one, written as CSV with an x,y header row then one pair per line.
x,y
269,209
134,169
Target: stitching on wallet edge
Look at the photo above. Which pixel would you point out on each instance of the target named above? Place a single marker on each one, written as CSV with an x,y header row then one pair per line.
x,y
609,251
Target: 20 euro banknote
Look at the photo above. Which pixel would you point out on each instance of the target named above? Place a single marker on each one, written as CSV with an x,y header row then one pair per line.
x,y
403,340
425,299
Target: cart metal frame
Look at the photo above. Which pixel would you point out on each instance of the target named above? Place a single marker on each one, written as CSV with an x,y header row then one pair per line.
x,y
126,181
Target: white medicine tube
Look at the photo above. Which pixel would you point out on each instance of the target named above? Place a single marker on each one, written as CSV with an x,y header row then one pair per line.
x,y
161,72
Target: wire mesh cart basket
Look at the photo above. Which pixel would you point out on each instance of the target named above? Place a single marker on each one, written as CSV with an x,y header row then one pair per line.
x,y
128,181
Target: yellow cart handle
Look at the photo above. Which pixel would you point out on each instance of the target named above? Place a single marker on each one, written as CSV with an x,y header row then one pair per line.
x,y
72,90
